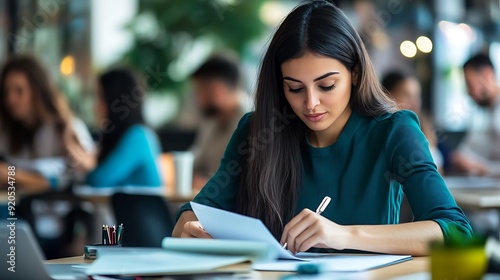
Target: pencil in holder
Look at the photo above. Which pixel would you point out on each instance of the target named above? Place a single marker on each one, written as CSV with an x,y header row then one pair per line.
x,y
112,235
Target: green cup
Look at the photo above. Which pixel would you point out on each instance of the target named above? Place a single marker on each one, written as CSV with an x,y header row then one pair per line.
x,y
458,262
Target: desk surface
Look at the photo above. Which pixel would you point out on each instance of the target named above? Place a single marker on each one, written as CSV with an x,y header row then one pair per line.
x,y
418,264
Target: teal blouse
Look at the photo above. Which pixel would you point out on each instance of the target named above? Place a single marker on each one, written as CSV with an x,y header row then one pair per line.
x,y
133,162
366,172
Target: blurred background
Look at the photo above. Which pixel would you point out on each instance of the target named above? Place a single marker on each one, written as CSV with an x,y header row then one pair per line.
x,y
167,40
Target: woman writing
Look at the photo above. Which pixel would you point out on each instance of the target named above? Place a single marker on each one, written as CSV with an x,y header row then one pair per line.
x,y
324,126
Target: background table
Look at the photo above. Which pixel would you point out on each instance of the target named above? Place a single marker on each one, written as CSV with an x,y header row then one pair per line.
x,y
475,192
103,195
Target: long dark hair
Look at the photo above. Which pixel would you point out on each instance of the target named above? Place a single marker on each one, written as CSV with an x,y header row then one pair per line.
x,y
123,98
272,173
49,106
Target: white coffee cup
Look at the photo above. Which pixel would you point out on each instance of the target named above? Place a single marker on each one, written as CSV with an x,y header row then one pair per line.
x,y
183,164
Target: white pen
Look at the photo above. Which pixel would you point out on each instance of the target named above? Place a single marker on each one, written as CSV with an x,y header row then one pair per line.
x,y
321,208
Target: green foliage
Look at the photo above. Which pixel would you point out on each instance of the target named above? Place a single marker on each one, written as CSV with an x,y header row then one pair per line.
x,y
168,31
459,239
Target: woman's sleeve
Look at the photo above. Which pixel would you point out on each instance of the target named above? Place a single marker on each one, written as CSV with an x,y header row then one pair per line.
x,y
221,190
122,160
410,162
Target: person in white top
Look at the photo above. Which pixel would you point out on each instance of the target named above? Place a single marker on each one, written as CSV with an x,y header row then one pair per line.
x,y
479,153
39,136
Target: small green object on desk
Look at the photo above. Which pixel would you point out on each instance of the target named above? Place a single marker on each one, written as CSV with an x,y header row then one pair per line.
x,y
306,268
460,257
309,268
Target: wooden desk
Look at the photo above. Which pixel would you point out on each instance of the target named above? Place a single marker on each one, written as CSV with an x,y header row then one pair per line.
x,y
418,264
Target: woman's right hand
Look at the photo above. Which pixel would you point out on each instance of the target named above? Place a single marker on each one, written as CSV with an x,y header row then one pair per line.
x,y
193,229
79,158
188,226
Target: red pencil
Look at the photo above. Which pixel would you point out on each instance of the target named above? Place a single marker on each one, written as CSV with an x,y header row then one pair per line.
x,y
112,235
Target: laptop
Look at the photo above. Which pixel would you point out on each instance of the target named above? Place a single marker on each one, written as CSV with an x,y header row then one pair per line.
x,y
27,260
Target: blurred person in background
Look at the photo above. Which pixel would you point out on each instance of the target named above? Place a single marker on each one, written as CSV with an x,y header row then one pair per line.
x,y
218,95
406,91
479,153
129,150
38,131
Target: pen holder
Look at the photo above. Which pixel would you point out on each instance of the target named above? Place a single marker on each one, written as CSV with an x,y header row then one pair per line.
x,y
112,235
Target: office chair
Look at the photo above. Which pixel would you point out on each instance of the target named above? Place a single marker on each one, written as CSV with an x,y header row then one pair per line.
x,y
146,219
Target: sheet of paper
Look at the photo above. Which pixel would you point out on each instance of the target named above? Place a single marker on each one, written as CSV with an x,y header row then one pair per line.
x,y
337,263
67,271
137,261
222,224
258,251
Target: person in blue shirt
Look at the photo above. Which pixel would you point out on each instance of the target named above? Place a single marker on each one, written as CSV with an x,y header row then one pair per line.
x,y
323,126
128,149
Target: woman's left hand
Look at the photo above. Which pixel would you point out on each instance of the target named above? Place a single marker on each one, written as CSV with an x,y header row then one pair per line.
x,y
308,229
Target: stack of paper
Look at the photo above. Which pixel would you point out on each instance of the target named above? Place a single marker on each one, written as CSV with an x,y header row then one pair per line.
x,y
146,261
255,251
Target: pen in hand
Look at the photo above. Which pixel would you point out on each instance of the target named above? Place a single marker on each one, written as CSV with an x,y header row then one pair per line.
x,y
321,208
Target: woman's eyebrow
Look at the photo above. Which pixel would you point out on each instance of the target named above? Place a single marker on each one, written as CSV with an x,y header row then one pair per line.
x,y
291,79
317,79
326,75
